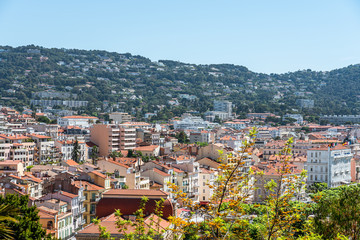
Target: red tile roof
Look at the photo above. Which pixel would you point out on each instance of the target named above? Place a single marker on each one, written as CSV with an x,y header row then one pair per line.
x,y
150,148
117,163
161,172
71,162
135,192
67,194
99,174
90,186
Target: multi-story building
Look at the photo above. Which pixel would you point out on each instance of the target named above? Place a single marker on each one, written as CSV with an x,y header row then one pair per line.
x,y
341,119
147,136
75,204
8,167
5,147
271,172
112,137
331,165
235,125
223,106
54,215
45,147
206,179
2,122
21,148
120,117
66,103
66,149
28,184
191,122
131,175
80,121
92,194
202,136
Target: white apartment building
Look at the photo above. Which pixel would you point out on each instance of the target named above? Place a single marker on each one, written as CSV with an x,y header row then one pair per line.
x,y
330,165
223,106
2,122
191,122
235,125
44,147
66,148
80,121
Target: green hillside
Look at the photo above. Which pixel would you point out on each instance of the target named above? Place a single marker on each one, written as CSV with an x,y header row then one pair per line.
x,y
135,84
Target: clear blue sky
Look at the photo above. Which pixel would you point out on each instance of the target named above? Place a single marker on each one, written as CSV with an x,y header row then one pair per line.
x,y
263,35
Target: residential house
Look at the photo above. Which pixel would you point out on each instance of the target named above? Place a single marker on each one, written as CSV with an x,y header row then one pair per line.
x,y
92,194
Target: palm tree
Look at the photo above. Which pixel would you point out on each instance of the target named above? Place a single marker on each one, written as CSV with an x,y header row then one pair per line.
x,y
115,154
7,213
94,154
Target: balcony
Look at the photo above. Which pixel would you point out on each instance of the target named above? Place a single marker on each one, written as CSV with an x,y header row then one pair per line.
x,y
83,210
82,199
83,221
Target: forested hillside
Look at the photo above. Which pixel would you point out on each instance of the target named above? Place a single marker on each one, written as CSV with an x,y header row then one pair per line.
x,y
135,84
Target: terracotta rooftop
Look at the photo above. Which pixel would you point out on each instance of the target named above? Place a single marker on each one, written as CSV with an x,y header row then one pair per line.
x,y
99,174
135,192
40,136
67,194
88,186
146,148
71,162
117,163
161,172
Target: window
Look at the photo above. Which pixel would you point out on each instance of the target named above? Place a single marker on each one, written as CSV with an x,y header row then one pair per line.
x,y
203,176
50,225
92,209
203,190
311,177
204,184
93,196
204,198
86,196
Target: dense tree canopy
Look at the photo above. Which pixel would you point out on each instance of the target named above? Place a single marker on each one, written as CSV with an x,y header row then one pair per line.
x,y
27,225
134,84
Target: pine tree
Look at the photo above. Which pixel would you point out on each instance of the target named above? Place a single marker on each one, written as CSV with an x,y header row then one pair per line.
x,y
75,154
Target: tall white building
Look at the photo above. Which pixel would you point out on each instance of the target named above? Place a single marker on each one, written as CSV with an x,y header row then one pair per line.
x,y
223,106
329,165
80,121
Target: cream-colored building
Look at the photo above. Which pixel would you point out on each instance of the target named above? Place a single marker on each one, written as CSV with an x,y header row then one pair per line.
x,y
120,117
132,176
11,167
112,137
206,178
